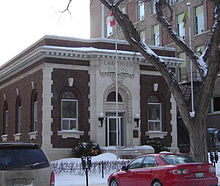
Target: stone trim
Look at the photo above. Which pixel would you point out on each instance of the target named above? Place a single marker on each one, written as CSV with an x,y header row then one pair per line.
x,y
33,135
156,134
70,133
4,137
17,136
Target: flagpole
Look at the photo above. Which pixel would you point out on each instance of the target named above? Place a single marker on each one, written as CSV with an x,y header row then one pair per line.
x,y
116,89
191,68
112,23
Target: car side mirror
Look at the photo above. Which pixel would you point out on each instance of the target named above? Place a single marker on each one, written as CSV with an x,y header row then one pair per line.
x,y
124,168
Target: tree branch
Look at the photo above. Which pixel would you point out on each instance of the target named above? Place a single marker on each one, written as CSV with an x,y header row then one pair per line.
x,y
67,8
214,33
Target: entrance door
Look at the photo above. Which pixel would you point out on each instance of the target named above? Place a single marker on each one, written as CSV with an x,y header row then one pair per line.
x,y
114,131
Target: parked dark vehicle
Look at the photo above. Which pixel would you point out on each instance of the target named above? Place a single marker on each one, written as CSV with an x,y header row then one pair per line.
x,y
24,164
165,169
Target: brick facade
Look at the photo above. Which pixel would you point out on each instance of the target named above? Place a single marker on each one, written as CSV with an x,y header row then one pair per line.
x,y
56,60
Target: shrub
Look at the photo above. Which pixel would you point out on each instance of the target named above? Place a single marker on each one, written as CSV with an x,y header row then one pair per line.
x,y
86,149
158,147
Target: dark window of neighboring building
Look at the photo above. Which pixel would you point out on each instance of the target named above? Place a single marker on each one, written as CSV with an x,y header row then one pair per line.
x,y
34,111
18,115
154,114
215,104
69,111
112,97
5,118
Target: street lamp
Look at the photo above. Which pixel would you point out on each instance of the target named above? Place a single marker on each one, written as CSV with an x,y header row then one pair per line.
x,y
101,118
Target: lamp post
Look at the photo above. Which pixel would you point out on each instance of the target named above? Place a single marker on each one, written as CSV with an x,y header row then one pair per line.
x,y
86,164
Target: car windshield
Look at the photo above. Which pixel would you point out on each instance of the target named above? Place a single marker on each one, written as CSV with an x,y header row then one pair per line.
x,y
171,159
18,158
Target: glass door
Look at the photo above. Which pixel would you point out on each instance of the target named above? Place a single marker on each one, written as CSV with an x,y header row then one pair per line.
x,y
114,131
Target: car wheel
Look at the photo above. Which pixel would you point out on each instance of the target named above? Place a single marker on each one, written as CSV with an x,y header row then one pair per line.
x,y
114,182
156,183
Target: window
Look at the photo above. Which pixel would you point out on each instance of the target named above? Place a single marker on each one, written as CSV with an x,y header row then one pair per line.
x,y
137,163
5,118
109,30
174,1
112,97
154,114
156,35
215,104
154,6
69,111
199,26
18,115
142,36
180,26
141,11
173,159
34,111
182,67
149,161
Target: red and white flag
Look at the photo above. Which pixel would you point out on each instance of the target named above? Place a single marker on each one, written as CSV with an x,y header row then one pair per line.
x,y
112,21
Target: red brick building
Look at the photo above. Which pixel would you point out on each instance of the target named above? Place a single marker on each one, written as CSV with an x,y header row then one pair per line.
x,y
54,92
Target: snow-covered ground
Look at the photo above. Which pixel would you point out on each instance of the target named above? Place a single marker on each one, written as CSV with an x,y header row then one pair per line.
x,y
69,178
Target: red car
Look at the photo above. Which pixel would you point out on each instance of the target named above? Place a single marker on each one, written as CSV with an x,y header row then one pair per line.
x,y
164,169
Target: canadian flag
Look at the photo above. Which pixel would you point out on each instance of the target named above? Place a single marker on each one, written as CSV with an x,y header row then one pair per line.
x,y
112,21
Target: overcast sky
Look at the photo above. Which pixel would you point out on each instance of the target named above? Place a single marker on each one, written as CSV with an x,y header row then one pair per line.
x,y
23,22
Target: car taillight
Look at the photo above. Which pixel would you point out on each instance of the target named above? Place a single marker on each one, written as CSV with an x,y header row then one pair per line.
x,y
52,179
180,171
211,169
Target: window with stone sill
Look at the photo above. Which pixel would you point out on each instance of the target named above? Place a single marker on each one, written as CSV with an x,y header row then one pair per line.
x,y
18,116
143,36
180,26
199,20
182,67
69,111
154,6
140,11
154,114
155,35
5,118
34,112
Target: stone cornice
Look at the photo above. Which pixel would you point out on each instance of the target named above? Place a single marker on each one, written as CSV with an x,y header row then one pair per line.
x,y
76,53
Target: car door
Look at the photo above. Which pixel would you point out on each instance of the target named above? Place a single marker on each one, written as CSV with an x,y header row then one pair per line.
x,y
128,177
145,174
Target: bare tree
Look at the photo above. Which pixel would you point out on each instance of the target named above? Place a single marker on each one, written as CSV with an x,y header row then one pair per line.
x,y
207,65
